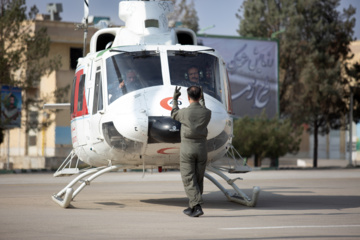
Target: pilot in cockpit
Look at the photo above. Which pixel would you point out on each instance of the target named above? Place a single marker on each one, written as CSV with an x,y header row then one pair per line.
x,y
194,77
121,87
131,82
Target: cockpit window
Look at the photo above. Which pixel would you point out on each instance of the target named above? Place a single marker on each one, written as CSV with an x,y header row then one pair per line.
x,y
195,68
130,71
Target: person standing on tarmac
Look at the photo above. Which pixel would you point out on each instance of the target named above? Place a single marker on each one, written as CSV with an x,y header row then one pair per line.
x,y
193,153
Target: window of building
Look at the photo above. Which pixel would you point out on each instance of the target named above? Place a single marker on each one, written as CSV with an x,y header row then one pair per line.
x,y
75,53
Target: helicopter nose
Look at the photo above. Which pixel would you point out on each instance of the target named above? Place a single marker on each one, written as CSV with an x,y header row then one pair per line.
x,y
163,130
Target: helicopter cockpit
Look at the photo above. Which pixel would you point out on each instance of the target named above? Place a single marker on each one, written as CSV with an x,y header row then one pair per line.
x,y
130,71
189,68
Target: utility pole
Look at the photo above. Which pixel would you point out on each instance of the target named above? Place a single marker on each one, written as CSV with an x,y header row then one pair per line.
x,y
84,25
85,22
350,127
8,150
351,110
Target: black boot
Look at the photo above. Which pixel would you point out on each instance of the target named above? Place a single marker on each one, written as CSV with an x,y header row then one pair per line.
x,y
188,211
197,211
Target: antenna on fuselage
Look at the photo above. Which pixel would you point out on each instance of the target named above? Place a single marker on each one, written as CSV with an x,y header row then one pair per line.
x,y
85,23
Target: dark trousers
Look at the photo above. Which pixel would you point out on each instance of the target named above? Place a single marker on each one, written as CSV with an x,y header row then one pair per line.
x,y
193,157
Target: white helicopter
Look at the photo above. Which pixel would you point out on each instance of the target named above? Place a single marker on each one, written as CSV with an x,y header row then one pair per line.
x,y
118,124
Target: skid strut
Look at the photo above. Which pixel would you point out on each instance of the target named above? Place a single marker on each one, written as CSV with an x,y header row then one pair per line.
x,y
67,194
239,196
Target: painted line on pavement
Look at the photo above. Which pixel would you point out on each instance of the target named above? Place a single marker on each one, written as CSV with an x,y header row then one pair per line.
x,y
290,227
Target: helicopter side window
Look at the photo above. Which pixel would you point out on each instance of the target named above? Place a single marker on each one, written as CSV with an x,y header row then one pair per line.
x,y
98,103
131,71
195,68
72,96
81,93
100,99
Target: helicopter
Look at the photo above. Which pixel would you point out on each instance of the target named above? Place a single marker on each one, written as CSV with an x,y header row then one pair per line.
x,y
121,101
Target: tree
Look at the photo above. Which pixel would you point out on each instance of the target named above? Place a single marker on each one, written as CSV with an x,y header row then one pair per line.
x,y
24,55
262,137
186,14
313,49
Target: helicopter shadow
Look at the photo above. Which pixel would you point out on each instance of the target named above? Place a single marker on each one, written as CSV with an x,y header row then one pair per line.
x,y
287,199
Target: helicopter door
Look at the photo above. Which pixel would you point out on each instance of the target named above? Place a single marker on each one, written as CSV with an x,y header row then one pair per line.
x,y
78,109
98,105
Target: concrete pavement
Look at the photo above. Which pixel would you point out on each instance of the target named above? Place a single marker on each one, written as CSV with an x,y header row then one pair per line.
x,y
306,204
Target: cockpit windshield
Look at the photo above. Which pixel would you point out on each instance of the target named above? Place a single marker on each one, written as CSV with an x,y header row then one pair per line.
x,y
195,68
130,71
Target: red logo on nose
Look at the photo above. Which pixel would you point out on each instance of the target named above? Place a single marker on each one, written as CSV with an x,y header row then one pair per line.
x,y
165,103
167,150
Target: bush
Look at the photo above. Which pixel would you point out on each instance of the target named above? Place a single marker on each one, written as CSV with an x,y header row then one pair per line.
x,y
262,137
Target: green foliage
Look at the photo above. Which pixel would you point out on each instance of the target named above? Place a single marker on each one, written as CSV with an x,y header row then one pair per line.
x,y
186,14
267,14
24,54
313,50
262,137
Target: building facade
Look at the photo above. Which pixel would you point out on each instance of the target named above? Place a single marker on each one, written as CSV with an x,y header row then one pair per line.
x,y
47,147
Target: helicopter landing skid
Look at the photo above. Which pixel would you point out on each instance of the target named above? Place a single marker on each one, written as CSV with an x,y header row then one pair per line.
x,y
67,194
239,196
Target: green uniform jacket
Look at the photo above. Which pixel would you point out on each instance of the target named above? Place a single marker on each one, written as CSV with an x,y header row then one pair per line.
x,y
194,120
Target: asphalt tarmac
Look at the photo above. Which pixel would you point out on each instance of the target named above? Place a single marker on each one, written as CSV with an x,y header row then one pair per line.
x,y
293,204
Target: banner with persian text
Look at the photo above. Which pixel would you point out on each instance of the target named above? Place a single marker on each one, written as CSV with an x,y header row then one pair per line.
x,y
252,66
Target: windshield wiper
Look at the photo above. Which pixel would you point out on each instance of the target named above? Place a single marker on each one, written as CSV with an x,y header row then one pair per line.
x,y
206,50
192,53
137,54
145,54
117,70
119,51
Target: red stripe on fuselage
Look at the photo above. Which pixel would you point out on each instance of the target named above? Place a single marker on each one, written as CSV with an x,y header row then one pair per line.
x,y
84,110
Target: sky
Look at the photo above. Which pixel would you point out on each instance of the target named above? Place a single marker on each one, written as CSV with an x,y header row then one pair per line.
x,y
219,15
